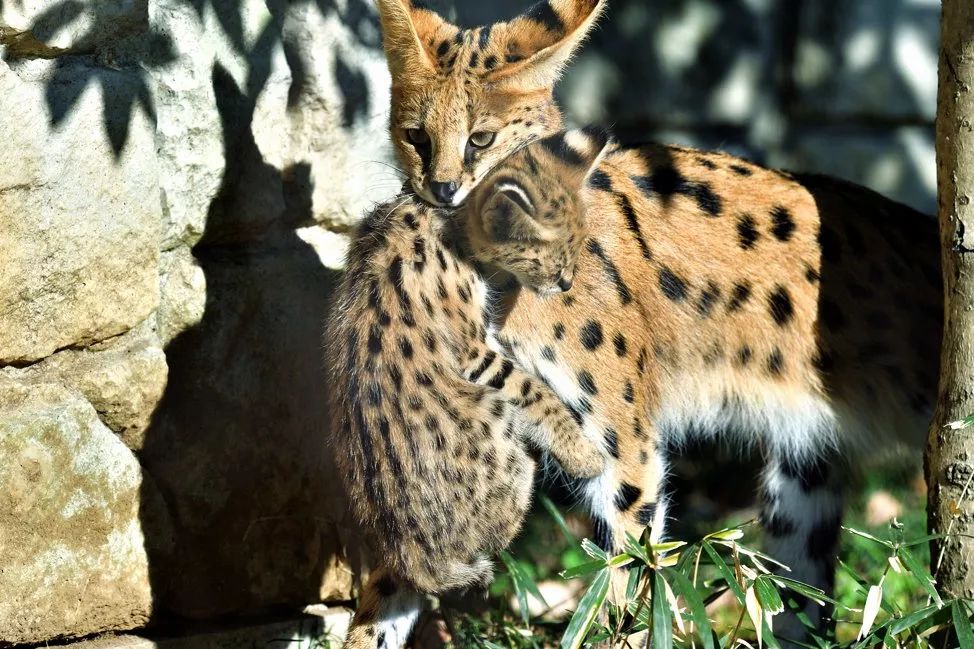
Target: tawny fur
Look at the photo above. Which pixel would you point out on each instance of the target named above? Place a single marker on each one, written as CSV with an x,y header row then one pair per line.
x,y
798,314
431,422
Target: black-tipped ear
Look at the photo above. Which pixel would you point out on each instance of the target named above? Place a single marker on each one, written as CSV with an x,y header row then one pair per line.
x,y
579,149
507,214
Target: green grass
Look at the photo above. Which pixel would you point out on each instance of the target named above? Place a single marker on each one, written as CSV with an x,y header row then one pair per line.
x,y
549,546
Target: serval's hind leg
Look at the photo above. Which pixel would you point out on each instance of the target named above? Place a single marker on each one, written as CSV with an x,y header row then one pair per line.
x,y
386,613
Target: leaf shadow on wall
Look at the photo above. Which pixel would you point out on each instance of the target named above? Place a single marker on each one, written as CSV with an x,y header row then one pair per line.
x,y
236,446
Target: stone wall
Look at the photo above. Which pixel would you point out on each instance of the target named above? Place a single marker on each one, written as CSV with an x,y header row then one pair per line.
x,y
176,181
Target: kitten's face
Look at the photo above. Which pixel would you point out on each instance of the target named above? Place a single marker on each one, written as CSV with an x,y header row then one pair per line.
x,y
528,216
463,100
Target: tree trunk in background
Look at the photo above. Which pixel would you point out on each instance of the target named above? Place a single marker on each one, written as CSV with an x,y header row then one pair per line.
x,y
950,453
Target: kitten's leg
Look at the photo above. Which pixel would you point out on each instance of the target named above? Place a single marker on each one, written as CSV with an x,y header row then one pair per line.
x,y
553,426
386,613
801,501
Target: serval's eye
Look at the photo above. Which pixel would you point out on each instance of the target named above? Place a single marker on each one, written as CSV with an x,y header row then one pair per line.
x,y
417,136
482,139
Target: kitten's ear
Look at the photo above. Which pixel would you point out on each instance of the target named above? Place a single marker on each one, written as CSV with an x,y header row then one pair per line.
x,y
403,29
578,151
507,213
541,41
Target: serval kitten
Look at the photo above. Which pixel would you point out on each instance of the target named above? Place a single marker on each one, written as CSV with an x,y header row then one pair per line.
x,y
799,314
433,424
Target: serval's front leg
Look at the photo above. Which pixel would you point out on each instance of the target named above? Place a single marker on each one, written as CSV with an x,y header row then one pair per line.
x,y
553,426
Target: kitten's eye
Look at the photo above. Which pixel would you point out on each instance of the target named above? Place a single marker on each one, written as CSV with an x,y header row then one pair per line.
x,y
482,139
417,136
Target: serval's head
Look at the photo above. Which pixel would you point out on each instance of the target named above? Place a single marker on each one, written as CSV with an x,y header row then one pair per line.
x,y
528,215
462,100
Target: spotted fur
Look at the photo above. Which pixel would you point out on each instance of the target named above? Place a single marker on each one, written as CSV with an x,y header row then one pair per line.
x,y
798,314
432,418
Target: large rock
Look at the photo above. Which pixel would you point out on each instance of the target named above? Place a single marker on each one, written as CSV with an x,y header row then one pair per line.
x,y
267,116
236,444
72,506
123,379
46,27
79,225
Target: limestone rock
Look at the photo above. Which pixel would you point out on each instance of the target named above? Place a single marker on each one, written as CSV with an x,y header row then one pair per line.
x,y
71,26
122,378
72,505
237,440
183,293
78,225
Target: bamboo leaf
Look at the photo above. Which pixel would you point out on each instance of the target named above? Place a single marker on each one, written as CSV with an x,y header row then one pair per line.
x,y
594,551
755,612
962,626
662,623
698,611
868,536
870,610
724,570
768,596
587,609
919,572
582,569
554,512
912,619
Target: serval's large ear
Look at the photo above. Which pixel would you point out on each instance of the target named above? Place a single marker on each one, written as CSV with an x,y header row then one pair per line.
x,y
576,153
404,29
540,42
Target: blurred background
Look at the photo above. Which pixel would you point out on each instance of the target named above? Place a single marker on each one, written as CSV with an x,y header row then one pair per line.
x,y
177,182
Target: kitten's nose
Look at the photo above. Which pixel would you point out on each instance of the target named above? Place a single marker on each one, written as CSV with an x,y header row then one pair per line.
x,y
564,283
443,192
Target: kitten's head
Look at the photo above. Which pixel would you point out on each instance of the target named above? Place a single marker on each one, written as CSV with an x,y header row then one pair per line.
x,y
462,100
528,215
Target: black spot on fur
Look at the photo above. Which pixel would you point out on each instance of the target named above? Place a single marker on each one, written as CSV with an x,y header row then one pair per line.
x,y
747,232
739,295
740,170
484,36
591,335
490,62
602,532
629,393
386,586
811,473
405,348
548,353
484,364
779,303
778,525
646,514
442,49
559,331
474,59
620,344
627,496
708,299
544,14
600,180
667,182
672,285
499,379
744,355
612,442
632,223
783,226
709,164
375,341
811,275
611,271
587,382
822,539
776,363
